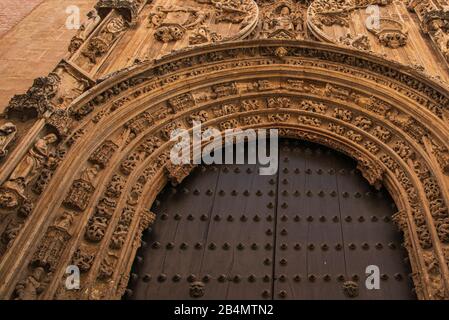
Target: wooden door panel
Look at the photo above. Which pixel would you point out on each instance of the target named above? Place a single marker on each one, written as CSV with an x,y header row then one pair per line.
x,y
303,233
176,243
245,219
311,271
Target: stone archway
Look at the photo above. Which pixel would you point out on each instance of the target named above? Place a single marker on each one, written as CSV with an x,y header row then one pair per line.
x,y
307,231
391,119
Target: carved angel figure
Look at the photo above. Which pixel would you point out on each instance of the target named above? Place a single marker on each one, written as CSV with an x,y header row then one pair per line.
x,y
8,133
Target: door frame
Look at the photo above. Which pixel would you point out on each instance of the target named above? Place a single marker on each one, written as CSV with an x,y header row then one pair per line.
x,y
391,120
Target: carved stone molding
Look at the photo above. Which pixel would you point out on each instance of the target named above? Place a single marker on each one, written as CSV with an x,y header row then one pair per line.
x,y
434,18
391,120
128,8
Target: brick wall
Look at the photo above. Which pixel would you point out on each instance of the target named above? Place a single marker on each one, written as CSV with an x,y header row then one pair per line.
x,y
36,42
12,11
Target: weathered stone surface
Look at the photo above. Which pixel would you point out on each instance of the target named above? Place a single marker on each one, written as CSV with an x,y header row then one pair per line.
x,y
87,141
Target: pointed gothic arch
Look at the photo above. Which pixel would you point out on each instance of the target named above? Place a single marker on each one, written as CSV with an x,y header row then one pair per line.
x,y
94,204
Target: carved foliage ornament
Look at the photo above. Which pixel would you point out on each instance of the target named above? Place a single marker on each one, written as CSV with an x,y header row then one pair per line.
x,y
171,23
37,100
337,12
100,44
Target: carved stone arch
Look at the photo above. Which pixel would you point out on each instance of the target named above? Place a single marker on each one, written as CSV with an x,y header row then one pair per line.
x,y
392,120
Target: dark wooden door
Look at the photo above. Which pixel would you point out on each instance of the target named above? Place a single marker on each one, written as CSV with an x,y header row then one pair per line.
x,y
308,232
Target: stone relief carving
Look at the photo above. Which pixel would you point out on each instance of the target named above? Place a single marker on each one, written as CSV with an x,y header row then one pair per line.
x,y
82,189
37,100
359,41
283,20
434,18
32,286
84,31
364,118
83,259
203,34
171,23
177,173
99,45
13,191
391,33
233,11
103,154
336,12
8,132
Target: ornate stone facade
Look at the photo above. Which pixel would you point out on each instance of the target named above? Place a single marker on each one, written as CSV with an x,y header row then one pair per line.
x,y
75,187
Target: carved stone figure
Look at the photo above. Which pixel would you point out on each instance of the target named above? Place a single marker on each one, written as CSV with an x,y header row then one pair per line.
x,y
84,31
283,21
32,286
14,190
28,168
83,260
90,173
8,133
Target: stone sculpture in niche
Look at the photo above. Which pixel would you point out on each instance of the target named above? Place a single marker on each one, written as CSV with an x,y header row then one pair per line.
x,y
13,192
442,41
283,20
8,133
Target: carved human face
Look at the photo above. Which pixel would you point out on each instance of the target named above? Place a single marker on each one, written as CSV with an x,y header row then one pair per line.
x,y
9,128
8,199
351,289
197,289
39,274
285,11
51,138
